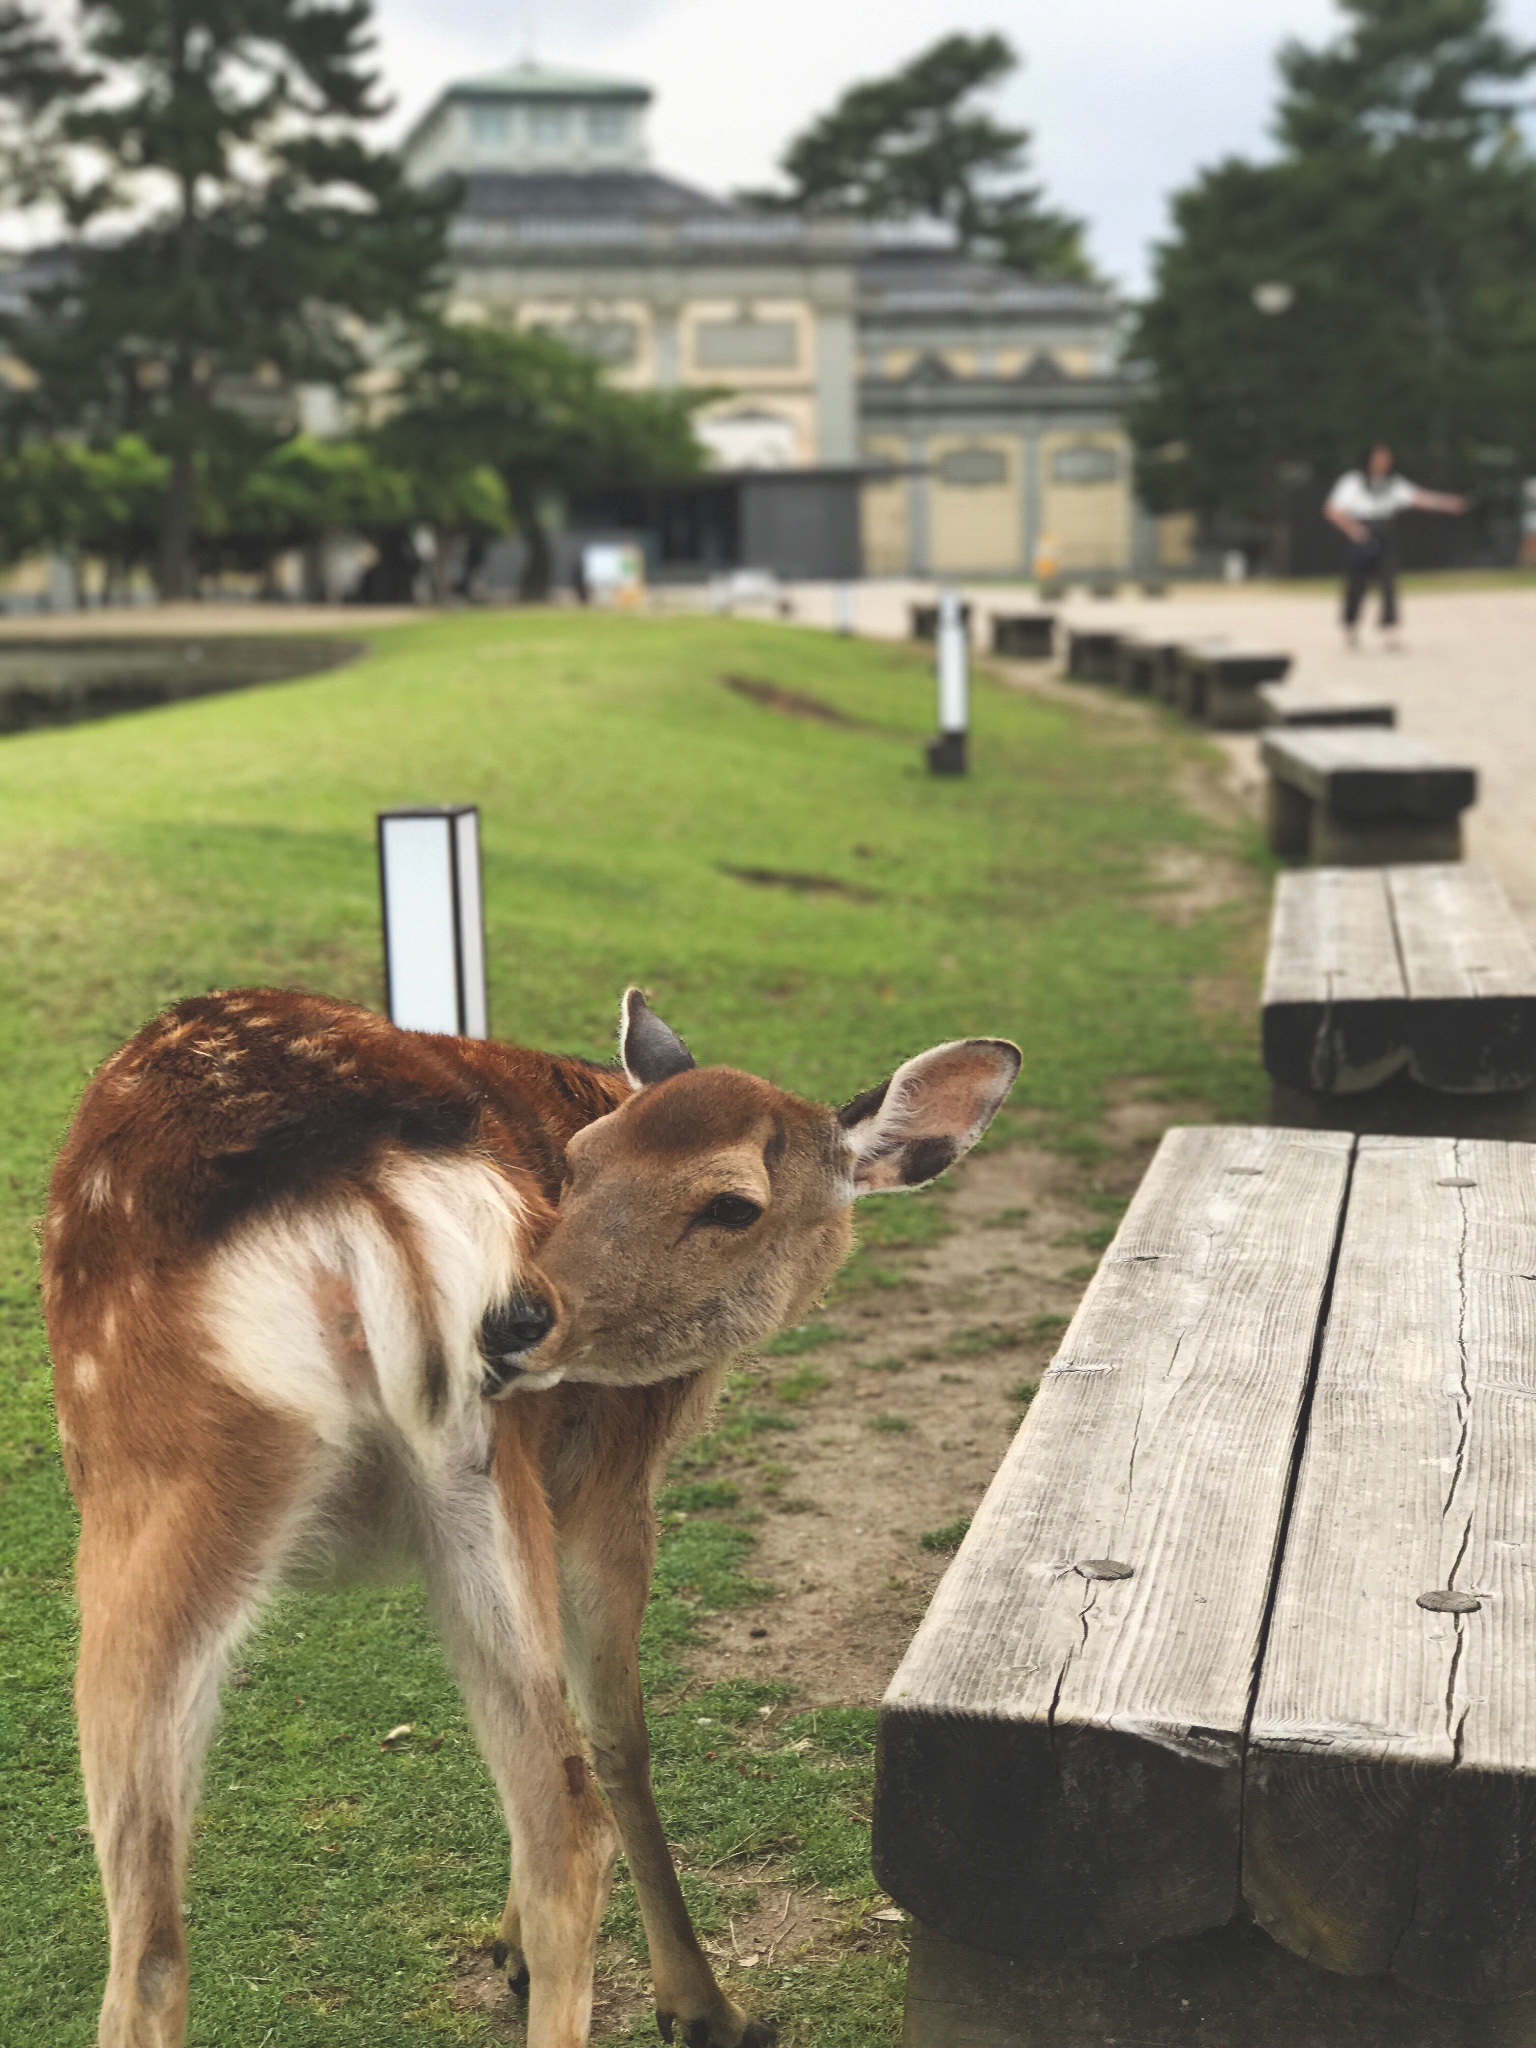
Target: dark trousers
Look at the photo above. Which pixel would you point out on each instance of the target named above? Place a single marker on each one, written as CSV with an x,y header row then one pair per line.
x,y
1372,561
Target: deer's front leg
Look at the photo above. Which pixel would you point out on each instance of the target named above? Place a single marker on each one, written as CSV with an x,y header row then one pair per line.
x,y
607,1547
491,1572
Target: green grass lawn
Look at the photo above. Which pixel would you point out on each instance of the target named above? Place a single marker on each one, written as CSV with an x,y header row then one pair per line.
x,y
231,840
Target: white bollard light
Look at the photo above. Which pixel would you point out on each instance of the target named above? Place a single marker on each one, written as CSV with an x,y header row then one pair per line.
x,y
947,754
434,933
845,607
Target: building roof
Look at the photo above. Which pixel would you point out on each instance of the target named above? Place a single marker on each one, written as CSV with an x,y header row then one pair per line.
x,y
529,81
919,279
553,196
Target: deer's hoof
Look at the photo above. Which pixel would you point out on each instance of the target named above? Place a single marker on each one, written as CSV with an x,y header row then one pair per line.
x,y
698,2033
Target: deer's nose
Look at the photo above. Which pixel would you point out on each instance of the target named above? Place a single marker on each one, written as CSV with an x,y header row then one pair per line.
x,y
510,1330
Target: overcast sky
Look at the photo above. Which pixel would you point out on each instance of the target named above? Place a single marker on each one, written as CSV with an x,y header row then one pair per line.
x,y
1126,97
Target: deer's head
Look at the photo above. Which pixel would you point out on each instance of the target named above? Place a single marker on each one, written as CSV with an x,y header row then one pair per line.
x,y
711,1208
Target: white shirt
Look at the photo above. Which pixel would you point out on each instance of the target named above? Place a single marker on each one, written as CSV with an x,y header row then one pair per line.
x,y
1359,496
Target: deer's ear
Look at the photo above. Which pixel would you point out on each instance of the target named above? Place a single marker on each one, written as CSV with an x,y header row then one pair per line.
x,y
929,1114
651,1051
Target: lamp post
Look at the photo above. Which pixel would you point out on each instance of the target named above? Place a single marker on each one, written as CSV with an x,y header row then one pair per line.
x,y
947,754
1273,297
434,934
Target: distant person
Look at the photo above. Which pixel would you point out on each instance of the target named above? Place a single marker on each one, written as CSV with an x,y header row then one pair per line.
x,y
1364,505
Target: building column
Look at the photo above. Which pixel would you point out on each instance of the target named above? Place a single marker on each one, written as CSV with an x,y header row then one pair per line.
x,y
667,343
918,543
1030,482
836,386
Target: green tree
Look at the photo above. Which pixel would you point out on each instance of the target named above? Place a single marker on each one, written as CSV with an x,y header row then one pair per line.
x,y
917,143
542,417
1377,280
304,489
98,501
230,232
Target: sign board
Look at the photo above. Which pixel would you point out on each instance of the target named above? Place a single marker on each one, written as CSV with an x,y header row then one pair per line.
x,y
614,574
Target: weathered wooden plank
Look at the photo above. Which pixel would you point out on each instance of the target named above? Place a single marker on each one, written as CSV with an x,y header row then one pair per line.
x,y
1335,997
1026,636
1419,969
1219,682
1471,975
1060,1749
1458,935
924,619
1296,704
1170,685
1091,655
1369,772
1390,1810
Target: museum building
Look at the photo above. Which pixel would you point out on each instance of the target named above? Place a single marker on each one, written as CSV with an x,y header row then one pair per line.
x,y
917,410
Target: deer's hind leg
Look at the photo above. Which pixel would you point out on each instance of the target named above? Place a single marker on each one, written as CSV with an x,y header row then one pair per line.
x,y
169,1575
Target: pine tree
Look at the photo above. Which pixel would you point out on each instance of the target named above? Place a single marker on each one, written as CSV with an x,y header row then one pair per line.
x,y
229,231
916,144
1398,222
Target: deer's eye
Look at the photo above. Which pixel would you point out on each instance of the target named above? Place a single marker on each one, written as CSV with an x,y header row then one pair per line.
x,y
729,1212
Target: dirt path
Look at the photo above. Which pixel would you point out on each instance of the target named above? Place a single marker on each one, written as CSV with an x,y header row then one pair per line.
x,y
935,1355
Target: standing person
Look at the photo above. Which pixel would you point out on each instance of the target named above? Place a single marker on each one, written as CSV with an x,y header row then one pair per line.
x,y
1364,505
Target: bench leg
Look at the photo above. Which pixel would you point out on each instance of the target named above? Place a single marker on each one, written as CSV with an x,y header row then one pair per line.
x,y
1290,821
1232,1988
1377,842
1233,707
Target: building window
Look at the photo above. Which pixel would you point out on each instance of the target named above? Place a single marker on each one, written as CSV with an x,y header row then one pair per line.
x,y
972,467
550,126
747,345
607,127
614,342
748,440
490,127
1085,465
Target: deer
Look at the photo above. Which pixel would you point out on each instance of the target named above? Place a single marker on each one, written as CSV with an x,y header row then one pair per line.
x,y
327,1298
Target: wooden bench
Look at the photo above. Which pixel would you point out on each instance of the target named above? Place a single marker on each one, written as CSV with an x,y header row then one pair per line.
x,y
1145,665
1218,684
1362,795
1167,687
1400,999
1091,656
1024,636
1220,1729
1295,704
925,619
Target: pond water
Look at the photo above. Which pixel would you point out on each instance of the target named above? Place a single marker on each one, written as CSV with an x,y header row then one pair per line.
x,y
53,681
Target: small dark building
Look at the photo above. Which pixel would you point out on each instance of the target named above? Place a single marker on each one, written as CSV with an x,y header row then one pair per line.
x,y
799,523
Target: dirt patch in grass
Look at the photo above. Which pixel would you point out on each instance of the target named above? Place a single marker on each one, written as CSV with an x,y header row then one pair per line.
x,y
901,1407
790,703
1188,881
800,883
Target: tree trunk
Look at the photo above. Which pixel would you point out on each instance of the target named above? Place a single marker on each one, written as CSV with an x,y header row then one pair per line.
x,y
538,566
176,577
